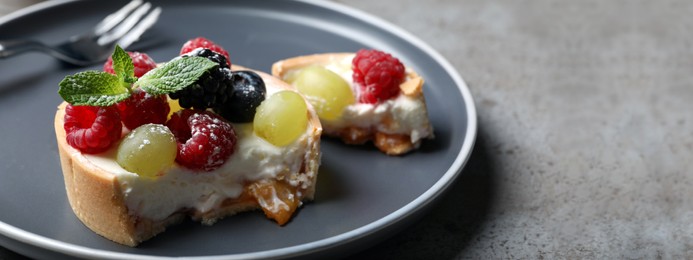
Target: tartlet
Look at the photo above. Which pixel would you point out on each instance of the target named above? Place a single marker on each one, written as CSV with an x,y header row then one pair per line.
x,y
395,127
114,203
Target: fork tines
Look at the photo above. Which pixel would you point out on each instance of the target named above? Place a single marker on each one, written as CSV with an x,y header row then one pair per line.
x,y
127,24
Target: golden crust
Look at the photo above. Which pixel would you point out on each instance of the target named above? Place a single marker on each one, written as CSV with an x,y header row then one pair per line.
x,y
94,195
98,201
391,144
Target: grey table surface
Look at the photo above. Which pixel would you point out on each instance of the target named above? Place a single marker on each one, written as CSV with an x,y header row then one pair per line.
x,y
585,143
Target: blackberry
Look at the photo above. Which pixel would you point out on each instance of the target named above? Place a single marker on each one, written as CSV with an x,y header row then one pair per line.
x,y
209,54
246,93
201,42
233,95
207,92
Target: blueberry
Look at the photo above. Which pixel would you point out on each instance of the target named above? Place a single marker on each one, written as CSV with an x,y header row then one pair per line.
x,y
246,93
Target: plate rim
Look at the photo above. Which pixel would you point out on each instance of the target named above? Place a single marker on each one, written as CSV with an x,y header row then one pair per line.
x,y
420,202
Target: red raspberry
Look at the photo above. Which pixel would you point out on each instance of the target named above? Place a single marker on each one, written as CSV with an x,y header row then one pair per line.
x,y
205,140
92,129
201,42
143,63
378,75
142,108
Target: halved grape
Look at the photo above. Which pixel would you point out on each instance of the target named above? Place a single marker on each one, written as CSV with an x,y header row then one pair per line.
x,y
281,118
325,90
147,150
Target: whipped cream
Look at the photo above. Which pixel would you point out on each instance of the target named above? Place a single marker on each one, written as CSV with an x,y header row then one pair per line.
x,y
409,117
179,188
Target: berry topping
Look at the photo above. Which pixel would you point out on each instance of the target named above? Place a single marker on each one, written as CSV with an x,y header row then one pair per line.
x,y
142,108
328,92
209,54
242,99
92,129
205,140
210,89
207,92
377,75
281,118
201,42
147,150
143,63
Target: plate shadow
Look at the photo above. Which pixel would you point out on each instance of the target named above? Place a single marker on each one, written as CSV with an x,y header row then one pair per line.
x,y
454,220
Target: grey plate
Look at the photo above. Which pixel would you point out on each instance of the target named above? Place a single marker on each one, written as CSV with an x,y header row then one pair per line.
x,y
363,195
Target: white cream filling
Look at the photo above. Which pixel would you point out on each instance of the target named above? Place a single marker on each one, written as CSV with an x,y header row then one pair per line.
x,y
180,188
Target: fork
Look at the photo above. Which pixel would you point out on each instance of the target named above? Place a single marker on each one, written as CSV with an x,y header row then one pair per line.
x,y
123,28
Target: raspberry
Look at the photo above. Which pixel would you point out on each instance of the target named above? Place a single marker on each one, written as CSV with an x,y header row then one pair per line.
x,y
143,63
92,129
205,140
378,75
142,108
201,42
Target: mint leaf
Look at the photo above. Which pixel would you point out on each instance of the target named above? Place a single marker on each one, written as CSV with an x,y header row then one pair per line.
x,y
97,88
93,88
122,65
175,75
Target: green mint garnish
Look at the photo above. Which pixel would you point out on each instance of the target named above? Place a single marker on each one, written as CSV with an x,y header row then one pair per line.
x,y
92,88
175,75
122,65
98,88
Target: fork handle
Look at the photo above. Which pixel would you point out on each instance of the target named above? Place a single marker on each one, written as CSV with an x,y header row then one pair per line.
x,y
13,47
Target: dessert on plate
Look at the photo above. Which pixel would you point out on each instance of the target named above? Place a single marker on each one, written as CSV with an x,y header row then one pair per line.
x,y
143,146
360,97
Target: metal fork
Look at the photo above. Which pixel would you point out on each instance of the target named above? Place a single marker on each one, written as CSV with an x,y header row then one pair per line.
x,y
123,27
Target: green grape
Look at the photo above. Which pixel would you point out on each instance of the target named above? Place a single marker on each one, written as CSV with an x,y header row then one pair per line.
x,y
290,76
325,90
281,118
147,150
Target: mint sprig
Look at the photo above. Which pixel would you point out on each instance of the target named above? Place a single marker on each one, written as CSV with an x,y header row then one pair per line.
x,y
92,88
122,65
175,75
98,88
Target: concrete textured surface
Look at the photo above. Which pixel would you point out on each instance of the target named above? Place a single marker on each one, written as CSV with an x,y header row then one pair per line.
x,y
585,144
585,129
